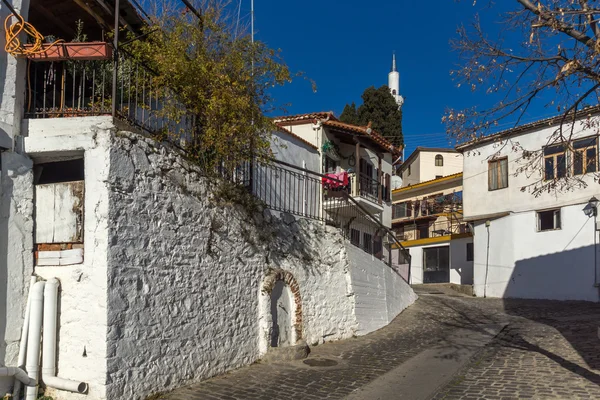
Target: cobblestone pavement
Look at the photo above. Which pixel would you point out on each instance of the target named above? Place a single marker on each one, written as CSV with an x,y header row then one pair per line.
x,y
548,350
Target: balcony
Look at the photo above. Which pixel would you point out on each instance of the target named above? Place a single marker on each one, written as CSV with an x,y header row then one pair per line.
x,y
364,190
432,207
424,229
80,88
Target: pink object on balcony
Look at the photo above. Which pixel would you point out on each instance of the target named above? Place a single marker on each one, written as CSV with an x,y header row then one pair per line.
x,y
335,181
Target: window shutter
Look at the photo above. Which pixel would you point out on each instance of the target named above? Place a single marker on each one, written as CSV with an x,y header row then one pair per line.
x,y
388,187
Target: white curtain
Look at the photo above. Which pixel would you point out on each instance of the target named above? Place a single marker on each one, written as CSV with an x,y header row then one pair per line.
x,y
504,173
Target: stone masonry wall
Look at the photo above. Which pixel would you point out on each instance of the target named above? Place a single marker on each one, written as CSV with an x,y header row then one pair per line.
x,y
185,272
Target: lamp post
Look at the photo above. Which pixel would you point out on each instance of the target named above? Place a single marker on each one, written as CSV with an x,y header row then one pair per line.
x,y
591,210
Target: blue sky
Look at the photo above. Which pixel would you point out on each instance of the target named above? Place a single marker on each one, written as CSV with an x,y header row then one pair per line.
x,y
347,46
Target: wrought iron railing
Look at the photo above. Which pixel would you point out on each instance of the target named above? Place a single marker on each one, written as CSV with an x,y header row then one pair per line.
x,y
368,187
287,188
415,230
77,88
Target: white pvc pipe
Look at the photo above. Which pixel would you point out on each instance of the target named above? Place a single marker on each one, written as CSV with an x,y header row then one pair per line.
x,y
23,342
33,337
49,350
18,374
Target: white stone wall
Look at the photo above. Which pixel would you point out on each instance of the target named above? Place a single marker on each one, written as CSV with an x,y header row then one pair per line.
x,y
16,253
81,350
185,273
380,294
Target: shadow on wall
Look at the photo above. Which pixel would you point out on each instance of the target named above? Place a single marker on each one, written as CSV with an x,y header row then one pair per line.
x,y
5,195
565,275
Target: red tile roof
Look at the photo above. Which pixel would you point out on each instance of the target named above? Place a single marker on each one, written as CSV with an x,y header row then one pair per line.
x,y
286,131
301,117
364,130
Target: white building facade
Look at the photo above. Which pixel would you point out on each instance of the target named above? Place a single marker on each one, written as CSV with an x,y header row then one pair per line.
x,y
526,246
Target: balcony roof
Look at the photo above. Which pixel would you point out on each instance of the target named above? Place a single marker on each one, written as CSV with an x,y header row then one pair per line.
x,y
431,182
58,17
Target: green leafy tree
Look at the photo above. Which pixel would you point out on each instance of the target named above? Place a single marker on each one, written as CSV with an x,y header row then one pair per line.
x,y
380,108
350,115
218,74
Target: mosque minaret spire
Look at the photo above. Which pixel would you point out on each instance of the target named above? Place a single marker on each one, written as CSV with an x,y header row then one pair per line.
x,y
394,82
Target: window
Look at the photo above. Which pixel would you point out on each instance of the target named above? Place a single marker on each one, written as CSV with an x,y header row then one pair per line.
x,y
330,165
408,171
498,174
439,161
469,251
402,210
585,157
355,237
368,243
439,176
548,220
555,161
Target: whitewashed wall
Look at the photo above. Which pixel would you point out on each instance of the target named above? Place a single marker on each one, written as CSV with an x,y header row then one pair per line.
x,y
380,294
524,263
453,163
479,201
461,270
16,253
185,274
81,350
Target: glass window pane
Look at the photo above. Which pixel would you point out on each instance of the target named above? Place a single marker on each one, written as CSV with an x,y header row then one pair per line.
x,y
591,160
578,163
493,175
549,168
582,143
554,149
557,219
504,173
561,166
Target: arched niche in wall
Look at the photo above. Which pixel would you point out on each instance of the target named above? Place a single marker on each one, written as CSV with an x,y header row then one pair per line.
x,y
280,311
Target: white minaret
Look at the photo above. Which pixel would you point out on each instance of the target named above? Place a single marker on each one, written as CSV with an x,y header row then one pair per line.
x,y
394,82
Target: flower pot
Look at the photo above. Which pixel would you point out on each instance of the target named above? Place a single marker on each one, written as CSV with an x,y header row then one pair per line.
x,y
72,50
50,52
88,51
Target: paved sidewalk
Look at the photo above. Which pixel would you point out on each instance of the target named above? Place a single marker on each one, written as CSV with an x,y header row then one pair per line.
x,y
549,349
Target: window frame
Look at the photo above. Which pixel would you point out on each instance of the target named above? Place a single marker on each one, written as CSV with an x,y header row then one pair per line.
x,y
554,157
367,244
559,219
585,155
470,256
498,170
439,158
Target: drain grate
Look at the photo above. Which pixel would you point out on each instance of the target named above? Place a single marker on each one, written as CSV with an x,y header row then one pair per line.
x,y
320,362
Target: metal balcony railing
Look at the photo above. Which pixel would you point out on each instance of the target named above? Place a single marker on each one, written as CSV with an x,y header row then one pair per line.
x,y
78,88
428,229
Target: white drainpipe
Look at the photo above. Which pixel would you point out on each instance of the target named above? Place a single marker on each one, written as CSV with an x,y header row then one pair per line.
x,y
18,374
23,342
49,350
34,336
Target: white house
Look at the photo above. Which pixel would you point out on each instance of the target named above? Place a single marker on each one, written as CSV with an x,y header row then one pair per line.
x,y
428,220
428,163
357,152
527,246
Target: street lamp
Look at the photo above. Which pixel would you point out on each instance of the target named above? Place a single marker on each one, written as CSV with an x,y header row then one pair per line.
x,y
591,210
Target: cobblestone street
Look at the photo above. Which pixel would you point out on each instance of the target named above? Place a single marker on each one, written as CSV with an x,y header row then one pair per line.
x,y
548,350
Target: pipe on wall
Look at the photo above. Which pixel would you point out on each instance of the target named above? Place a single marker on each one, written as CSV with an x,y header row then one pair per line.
x,y
34,336
49,344
23,342
20,375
